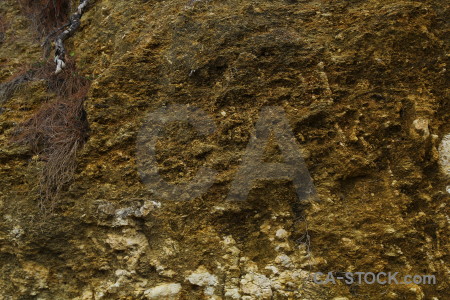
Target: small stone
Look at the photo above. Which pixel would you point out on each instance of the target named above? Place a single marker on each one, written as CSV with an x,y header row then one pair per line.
x,y
163,290
209,291
281,233
121,272
232,293
202,277
444,155
284,260
421,125
257,285
273,269
389,230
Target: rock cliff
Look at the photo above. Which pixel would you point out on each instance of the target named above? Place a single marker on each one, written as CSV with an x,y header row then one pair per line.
x,y
363,86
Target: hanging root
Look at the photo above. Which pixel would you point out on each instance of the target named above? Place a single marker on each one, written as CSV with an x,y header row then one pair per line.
x,y
45,14
59,128
72,26
57,131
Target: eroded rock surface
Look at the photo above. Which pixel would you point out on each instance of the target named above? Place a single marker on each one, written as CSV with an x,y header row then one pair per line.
x,y
364,85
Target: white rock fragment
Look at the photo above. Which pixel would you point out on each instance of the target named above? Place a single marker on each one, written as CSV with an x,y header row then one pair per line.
x,y
444,157
229,240
284,260
272,268
148,207
135,243
420,125
163,290
122,215
202,277
281,233
209,291
16,232
232,293
257,285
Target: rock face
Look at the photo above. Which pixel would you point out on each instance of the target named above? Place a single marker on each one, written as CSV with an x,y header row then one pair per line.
x,y
364,87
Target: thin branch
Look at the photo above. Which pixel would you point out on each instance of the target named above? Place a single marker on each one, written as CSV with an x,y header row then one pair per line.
x,y
51,34
74,23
